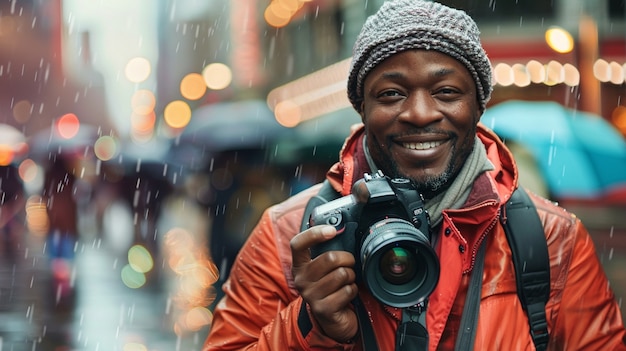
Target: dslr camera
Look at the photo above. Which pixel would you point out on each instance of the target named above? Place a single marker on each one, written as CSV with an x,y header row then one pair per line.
x,y
383,223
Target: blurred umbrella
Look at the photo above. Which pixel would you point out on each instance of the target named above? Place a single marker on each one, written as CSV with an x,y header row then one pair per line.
x,y
150,158
233,125
318,139
47,144
580,155
226,126
12,144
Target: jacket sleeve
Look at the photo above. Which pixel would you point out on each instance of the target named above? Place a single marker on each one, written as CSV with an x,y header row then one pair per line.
x,y
588,317
259,311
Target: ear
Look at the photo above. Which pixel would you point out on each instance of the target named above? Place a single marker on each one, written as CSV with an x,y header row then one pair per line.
x,y
361,113
479,114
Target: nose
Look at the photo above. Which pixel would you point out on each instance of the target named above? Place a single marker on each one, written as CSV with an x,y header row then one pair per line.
x,y
420,109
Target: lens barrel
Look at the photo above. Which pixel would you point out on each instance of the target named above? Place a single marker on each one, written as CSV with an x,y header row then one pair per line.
x,y
398,264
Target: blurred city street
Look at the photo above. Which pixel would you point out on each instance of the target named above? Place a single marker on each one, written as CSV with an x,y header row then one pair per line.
x,y
131,131
105,313
108,315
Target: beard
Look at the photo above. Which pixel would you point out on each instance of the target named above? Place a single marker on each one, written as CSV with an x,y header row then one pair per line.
x,y
428,185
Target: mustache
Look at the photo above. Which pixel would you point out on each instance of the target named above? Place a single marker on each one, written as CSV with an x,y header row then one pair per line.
x,y
429,130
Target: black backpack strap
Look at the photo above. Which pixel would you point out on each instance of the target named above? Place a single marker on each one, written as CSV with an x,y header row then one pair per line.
x,y
526,237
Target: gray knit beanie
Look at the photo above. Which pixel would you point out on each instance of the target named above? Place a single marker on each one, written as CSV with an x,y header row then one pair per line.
x,y
401,25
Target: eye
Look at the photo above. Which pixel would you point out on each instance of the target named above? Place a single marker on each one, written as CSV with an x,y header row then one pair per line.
x,y
447,91
389,93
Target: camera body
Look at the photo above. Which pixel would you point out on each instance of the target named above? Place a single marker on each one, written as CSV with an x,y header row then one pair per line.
x,y
383,223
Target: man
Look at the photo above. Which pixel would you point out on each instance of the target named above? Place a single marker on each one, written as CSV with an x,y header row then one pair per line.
x,y
420,81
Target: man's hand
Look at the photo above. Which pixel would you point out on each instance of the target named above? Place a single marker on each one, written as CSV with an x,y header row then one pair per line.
x,y
326,283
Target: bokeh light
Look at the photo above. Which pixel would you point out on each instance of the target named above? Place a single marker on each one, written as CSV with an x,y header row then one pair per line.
x,y
196,275
521,78
571,75
192,86
602,70
280,12
22,110
288,113
503,74
68,125
140,259
617,73
28,170
142,126
37,219
559,40
143,102
197,318
105,148
177,114
536,71
555,74
131,278
275,16
217,76
6,155
137,69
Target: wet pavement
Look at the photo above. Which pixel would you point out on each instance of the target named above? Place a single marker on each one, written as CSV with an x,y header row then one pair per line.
x,y
108,315
103,313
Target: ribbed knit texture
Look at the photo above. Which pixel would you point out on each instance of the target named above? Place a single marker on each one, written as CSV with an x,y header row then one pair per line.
x,y
401,25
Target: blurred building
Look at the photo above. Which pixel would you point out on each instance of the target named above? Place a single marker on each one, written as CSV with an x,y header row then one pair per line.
x,y
34,87
528,62
120,65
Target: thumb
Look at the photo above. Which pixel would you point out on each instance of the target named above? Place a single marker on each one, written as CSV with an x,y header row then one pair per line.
x,y
302,242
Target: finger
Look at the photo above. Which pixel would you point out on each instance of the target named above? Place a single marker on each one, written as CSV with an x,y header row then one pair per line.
x,y
336,259
302,242
329,284
331,304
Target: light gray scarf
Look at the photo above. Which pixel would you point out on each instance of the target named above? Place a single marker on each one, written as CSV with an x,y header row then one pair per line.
x,y
456,195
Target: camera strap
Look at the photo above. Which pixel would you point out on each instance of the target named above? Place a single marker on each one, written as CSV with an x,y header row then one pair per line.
x,y
368,339
412,334
469,320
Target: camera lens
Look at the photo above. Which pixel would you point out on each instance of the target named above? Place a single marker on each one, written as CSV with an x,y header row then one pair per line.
x,y
398,264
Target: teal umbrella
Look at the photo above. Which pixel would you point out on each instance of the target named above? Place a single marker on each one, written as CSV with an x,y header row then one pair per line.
x,y
580,155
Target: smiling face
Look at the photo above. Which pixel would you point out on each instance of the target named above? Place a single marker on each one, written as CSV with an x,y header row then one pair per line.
x,y
420,112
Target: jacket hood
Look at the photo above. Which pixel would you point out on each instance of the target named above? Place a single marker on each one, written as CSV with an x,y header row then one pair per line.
x,y
351,166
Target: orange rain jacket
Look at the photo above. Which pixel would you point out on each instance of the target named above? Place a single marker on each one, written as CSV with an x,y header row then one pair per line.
x,y
260,308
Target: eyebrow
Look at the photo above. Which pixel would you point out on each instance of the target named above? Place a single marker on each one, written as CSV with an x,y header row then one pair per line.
x,y
443,72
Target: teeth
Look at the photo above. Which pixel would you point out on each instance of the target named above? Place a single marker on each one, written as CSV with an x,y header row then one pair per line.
x,y
422,146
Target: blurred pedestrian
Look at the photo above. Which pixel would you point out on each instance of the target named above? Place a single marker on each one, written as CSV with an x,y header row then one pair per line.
x,y
62,238
12,202
242,187
420,80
